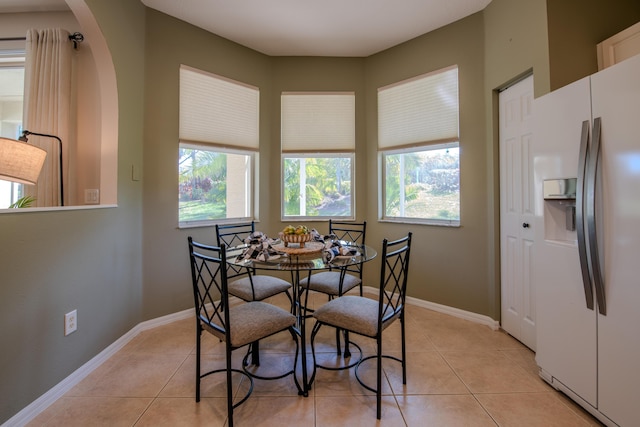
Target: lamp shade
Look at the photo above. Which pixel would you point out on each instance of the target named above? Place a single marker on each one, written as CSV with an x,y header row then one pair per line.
x,y
20,162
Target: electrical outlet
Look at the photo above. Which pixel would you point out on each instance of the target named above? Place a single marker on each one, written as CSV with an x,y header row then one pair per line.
x,y
70,322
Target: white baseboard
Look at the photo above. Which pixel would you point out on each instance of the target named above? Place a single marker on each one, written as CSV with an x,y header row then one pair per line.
x,y
451,311
43,402
456,312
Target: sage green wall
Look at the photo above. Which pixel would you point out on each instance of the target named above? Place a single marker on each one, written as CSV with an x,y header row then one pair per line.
x,y
170,43
449,264
576,27
439,251
55,261
319,74
458,267
515,45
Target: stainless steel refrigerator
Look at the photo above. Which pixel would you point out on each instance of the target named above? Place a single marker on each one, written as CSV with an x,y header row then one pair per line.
x,y
586,260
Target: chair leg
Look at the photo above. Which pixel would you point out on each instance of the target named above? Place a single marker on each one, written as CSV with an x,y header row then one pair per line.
x,y
338,346
347,352
314,332
291,302
254,348
229,388
295,361
198,348
379,377
404,350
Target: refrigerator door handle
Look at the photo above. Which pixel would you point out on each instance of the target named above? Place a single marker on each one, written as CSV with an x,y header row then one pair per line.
x,y
590,213
580,214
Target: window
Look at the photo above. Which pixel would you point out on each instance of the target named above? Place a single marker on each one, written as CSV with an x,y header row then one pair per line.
x,y
11,99
418,145
423,183
218,148
317,186
318,155
214,183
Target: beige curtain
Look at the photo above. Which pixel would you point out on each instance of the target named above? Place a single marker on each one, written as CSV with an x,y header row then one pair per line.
x,y
47,105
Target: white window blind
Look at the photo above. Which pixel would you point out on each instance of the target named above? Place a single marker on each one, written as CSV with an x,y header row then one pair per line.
x,y
319,122
217,110
420,110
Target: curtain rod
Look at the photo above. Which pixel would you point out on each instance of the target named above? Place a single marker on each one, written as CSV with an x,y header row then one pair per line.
x,y
75,38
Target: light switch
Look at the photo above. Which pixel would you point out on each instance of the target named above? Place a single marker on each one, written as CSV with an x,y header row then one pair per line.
x,y
135,173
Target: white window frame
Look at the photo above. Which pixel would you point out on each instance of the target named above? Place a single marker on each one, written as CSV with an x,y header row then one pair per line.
x,y
382,186
249,182
415,115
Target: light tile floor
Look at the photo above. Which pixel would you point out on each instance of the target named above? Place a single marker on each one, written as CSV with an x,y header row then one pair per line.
x,y
459,374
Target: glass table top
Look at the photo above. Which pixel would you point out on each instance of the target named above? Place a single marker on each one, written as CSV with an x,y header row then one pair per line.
x,y
310,257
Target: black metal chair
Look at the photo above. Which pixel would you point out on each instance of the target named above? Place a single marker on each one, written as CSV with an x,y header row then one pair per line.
x,y
238,325
245,283
336,282
368,317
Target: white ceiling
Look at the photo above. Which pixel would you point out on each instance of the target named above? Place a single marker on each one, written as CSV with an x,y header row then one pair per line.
x,y
356,28
303,27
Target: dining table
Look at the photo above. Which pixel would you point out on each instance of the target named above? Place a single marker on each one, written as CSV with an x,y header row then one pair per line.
x,y
300,259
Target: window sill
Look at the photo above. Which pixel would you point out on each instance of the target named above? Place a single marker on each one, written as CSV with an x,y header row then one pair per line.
x,y
418,221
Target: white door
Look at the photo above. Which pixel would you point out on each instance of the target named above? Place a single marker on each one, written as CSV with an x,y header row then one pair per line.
x,y
516,212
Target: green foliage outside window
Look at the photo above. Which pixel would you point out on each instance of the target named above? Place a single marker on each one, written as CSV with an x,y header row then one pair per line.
x,y
423,184
326,184
202,185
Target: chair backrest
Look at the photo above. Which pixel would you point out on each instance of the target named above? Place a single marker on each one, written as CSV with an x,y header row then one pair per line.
x,y
209,278
393,278
351,232
231,235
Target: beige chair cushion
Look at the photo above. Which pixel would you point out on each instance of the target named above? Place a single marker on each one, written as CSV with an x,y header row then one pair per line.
x,y
253,321
328,282
264,286
353,313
